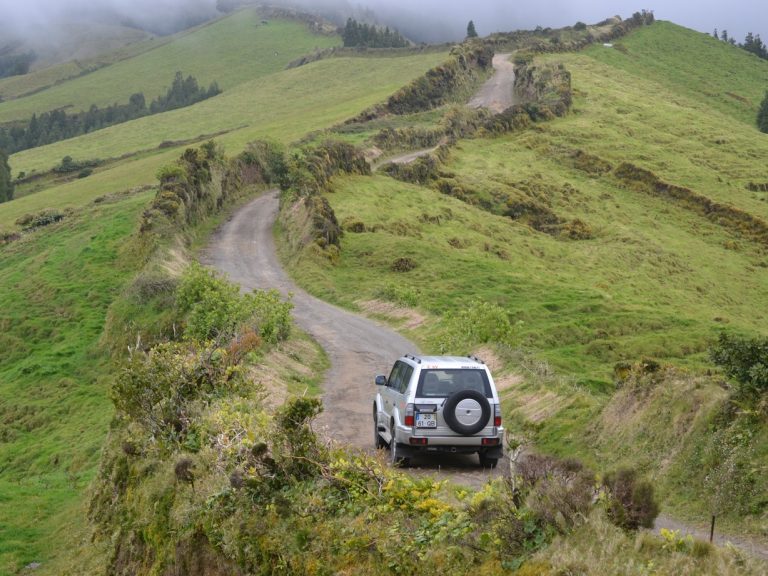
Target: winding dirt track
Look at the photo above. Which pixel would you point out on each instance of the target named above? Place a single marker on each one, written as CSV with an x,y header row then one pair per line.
x,y
358,348
497,94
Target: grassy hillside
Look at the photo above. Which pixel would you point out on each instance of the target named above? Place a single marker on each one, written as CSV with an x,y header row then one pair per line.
x,y
57,285
643,275
232,50
284,106
721,76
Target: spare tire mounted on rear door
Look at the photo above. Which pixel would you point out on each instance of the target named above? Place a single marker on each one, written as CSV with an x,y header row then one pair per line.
x,y
466,412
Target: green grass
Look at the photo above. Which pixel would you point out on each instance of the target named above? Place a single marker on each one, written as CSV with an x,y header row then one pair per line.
x,y
694,65
57,285
232,50
284,106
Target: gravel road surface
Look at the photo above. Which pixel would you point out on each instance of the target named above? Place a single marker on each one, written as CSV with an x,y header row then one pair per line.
x,y
359,348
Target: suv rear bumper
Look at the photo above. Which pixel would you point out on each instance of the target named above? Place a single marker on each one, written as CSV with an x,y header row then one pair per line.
x,y
408,451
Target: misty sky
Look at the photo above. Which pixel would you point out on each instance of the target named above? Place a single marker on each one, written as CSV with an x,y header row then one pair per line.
x,y
432,19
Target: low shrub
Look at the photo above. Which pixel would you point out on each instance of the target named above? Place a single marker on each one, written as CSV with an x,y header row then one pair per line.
x,y
745,360
399,294
477,322
215,308
39,219
403,264
354,226
631,501
563,497
8,237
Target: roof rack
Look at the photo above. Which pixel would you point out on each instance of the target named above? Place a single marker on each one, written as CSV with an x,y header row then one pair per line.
x,y
412,357
475,358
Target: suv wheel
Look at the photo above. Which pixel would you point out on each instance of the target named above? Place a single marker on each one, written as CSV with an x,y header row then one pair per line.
x,y
487,461
378,441
467,412
394,455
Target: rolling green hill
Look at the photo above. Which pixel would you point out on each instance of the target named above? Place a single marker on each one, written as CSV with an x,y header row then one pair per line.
x,y
232,50
646,273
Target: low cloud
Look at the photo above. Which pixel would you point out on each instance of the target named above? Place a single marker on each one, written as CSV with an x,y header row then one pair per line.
x,y
425,20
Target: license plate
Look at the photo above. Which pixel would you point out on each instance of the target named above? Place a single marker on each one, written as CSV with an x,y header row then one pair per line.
x,y
426,420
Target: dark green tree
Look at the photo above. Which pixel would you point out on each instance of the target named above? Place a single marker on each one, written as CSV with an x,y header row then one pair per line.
x,y
6,181
471,32
724,35
755,45
762,115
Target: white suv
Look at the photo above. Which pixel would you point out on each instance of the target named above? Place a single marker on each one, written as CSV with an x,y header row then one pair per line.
x,y
438,404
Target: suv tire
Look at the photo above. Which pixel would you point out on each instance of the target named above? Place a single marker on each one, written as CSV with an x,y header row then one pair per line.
x,y
452,403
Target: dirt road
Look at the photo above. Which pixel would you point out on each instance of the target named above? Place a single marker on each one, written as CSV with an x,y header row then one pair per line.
x,y
358,348
753,546
497,93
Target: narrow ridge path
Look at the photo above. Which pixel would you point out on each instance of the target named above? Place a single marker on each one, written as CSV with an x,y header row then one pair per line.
x,y
358,348
497,94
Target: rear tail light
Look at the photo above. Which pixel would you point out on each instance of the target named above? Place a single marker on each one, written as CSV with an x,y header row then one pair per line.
x,y
419,441
409,415
490,441
497,415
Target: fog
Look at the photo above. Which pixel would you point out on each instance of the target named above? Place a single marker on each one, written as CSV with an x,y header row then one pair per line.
x,y
32,19
421,20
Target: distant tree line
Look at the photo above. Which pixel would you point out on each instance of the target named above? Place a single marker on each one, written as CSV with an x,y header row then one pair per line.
x,y
356,34
15,64
752,43
57,125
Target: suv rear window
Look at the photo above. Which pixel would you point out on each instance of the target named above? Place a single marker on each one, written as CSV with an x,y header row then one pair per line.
x,y
443,383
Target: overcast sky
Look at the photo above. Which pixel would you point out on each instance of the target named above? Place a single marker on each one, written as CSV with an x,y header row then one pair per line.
x,y
435,17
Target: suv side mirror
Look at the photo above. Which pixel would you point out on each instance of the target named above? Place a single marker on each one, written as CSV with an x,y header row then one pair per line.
x,y
381,380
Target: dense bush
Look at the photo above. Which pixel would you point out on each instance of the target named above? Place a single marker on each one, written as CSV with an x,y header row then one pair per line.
x,y
263,162
308,175
631,501
156,389
743,359
215,309
69,165
39,219
476,322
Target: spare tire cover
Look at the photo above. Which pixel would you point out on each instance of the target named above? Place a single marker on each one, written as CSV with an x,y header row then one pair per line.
x,y
466,412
